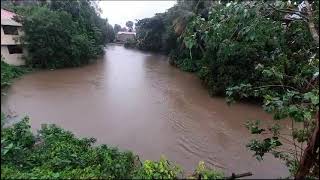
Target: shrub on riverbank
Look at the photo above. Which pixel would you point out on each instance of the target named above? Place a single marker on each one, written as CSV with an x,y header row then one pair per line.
x,y
225,42
9,72
57,153
234,40
130,43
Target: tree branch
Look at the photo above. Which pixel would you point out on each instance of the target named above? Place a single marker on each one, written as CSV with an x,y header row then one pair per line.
x,y
290,11
310,153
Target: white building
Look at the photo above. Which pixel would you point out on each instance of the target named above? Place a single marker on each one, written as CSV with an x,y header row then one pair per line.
x,y
124,36
11,48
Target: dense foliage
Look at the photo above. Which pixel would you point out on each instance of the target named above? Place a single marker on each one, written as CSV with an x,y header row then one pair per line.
x,y
299,105
54,153
223,43
130,43
9,72
149,33
129,24
225,49
110,33
158,33
116,28
63,33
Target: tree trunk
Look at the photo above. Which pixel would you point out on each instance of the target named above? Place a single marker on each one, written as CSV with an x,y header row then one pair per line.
x,y
309,155
311,24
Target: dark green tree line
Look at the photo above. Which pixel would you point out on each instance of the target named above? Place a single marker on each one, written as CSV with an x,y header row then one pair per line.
x,y
63,33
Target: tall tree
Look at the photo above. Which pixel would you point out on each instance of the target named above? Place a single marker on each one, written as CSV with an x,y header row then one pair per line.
x,y
116,28
82,37
129,24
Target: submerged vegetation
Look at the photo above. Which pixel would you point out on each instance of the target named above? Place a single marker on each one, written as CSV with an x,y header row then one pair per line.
x,y
54,153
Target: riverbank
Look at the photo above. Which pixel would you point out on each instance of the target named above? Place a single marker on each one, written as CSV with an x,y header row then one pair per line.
x,y
9,72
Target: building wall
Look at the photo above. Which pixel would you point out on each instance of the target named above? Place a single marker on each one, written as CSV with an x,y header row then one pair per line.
x,y
124,37
7,39
13,59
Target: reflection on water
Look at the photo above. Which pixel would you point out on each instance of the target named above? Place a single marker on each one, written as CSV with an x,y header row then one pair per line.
x,y
137,101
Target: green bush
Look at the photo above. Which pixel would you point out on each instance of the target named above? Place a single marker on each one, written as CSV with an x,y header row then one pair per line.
x,y
130,43
56,153
224,44
53,41
187,64
9,72
149,33
157,170
205,173
234,40
156,33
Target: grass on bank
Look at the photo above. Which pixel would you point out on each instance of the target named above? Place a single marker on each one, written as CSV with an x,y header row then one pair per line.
x,y
9,72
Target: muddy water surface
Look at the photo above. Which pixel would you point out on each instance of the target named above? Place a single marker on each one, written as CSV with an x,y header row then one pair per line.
x,y
136,100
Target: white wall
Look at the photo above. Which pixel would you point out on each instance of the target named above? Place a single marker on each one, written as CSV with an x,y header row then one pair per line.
x,y
125,37
13,59
10,39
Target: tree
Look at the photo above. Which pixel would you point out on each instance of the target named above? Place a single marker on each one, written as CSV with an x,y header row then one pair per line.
x,y
129,24
53,41
149,33
116,28
294,96
110,33
63,33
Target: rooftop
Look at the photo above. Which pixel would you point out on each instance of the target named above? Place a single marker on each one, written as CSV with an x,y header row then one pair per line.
x,y
7,18
5,14
125,32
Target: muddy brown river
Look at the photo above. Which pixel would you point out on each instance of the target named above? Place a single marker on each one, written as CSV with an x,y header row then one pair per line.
x,y
135,100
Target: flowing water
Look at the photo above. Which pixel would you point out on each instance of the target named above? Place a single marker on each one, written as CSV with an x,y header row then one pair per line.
x,y
137,101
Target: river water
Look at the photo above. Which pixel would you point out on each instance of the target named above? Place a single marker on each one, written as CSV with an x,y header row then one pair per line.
x,y
135,100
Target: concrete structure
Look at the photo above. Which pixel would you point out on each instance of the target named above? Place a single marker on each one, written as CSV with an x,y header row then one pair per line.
x,y
124,36
11,48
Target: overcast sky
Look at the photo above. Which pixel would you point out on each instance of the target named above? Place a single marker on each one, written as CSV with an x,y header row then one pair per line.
x,y
119,12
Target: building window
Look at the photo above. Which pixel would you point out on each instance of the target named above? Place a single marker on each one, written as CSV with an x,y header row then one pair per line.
x,y
12,30
15,49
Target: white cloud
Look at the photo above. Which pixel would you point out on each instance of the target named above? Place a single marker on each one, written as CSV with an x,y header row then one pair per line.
x,y
119,12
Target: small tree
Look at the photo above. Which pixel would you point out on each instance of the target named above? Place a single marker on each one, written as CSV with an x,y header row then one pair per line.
x,y
129,24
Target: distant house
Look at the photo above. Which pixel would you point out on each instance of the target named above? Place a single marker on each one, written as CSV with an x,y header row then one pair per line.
x,y
11,48
124,36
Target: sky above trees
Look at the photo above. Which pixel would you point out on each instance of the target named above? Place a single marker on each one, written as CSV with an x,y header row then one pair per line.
x,y
119,12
